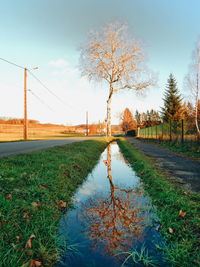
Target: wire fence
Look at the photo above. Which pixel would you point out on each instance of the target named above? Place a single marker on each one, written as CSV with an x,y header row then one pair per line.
x,y
177,131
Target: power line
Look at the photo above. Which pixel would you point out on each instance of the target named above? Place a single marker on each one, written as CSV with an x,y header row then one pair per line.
x,y
12,63
63,102
43,85
42,101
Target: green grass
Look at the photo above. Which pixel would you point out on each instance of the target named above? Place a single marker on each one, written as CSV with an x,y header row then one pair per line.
x,y
135,257
33,187
183,245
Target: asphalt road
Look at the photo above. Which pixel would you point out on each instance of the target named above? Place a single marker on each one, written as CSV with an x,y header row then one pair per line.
x,y
184,170
14,148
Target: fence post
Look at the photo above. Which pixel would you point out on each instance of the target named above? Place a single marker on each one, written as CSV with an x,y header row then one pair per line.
x,y
156,132
138,133
162,131
182,131
170,130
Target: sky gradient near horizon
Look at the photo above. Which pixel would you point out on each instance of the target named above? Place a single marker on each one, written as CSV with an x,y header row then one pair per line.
x,y
48,34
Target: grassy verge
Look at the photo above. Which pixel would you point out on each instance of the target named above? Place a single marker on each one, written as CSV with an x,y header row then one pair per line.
x,y
35,190
177,210
188,148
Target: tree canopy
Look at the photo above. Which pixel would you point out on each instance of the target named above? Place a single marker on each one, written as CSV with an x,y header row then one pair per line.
x,y
112,56
128,122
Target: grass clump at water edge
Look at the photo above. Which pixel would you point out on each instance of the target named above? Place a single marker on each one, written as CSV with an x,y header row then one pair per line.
x,y
177,210
35,190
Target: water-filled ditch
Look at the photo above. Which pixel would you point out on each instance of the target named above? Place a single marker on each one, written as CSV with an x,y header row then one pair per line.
x,y
111,218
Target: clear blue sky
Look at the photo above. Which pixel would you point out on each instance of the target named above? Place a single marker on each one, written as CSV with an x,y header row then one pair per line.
x,y
47,34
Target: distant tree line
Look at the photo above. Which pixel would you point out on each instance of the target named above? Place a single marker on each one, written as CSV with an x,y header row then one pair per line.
x,y
173,109
16,121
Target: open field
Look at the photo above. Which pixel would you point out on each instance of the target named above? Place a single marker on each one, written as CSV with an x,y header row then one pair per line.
x,y
14,132
36,189
178,210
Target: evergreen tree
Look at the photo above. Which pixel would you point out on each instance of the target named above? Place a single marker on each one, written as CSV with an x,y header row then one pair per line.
x,y
138,118
172,109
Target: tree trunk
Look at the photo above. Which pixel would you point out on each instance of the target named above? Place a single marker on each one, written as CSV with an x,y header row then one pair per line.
x,y
108,132
196,106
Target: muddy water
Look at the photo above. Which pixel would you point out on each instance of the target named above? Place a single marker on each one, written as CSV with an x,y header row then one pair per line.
x,y
111,217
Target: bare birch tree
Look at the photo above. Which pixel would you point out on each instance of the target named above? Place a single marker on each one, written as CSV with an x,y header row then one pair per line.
x,y
193,81
112,56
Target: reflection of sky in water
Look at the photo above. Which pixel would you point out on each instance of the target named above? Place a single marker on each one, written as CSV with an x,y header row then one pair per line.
x,y
97,180
110,214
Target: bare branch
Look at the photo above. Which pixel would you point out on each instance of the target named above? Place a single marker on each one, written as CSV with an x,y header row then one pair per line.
x,y
112,56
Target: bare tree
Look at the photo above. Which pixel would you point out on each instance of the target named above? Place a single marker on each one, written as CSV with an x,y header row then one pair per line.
x,y
112,56
193,81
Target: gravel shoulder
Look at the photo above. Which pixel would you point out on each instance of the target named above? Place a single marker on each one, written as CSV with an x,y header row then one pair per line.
x,y
181,169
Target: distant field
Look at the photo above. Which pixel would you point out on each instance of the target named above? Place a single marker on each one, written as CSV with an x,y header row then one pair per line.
x,y
11,132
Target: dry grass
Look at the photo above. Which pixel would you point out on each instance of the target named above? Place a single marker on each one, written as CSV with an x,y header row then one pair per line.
x,y
10,132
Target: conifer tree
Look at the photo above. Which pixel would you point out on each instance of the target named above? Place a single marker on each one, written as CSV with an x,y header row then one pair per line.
x,y
172,109
138,118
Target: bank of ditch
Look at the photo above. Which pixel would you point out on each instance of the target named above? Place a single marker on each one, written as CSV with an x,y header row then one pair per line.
x,y
177,210
35,190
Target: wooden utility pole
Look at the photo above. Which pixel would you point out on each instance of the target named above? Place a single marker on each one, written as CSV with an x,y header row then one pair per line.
x,y
87,123
25,106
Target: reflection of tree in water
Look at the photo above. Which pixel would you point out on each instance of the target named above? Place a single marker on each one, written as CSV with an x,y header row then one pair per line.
x,y
113,220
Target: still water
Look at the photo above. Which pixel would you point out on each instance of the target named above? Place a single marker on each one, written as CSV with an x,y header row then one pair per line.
x,y
111,217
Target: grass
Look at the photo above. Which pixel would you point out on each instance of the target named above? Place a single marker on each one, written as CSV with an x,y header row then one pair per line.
x,y
134,257
188,148
177,210
35,190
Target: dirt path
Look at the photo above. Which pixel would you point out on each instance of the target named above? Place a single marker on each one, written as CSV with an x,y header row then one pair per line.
x,y
184,170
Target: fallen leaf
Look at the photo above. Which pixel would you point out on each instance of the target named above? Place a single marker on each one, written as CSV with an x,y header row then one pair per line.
x,y
29,242
35,263
19,237
62,204
185,193
9,197
181,213
170,230
34,204
43,186
29,252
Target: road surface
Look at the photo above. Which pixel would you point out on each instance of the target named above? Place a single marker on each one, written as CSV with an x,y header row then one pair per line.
x,y
184,170
14,148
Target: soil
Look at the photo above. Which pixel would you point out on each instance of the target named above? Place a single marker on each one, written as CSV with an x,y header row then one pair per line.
x,y
181,169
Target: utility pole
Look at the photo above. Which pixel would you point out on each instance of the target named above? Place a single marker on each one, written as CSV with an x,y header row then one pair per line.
x,y
25,106
87,123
